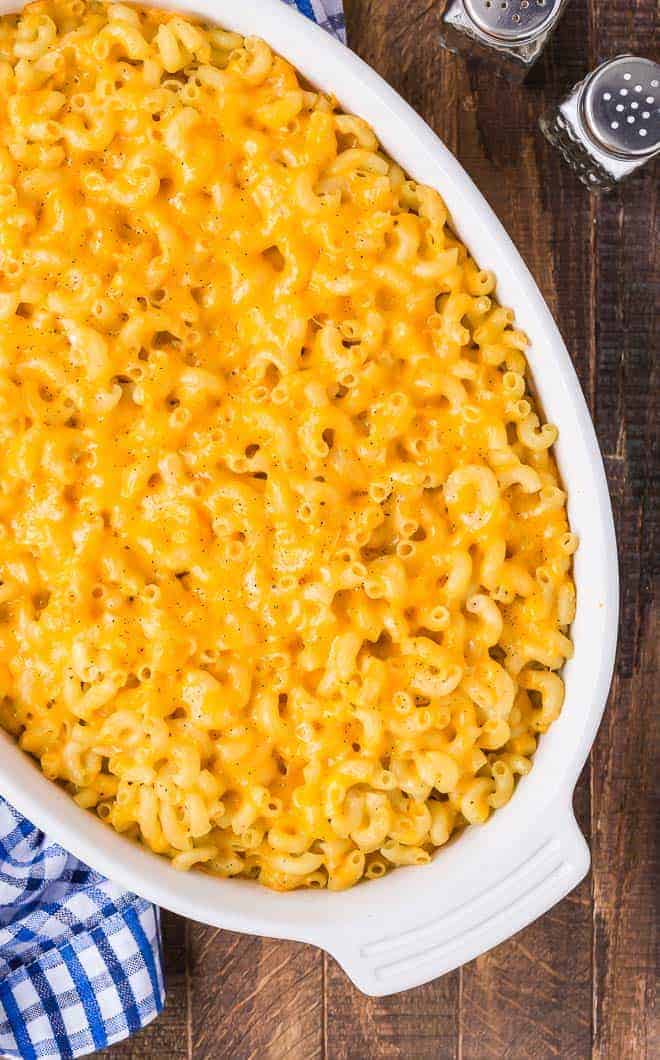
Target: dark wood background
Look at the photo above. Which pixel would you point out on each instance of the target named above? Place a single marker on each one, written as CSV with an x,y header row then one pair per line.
x,y
579,982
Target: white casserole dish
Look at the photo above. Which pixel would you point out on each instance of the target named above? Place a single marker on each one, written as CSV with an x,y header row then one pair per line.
x,y
416,923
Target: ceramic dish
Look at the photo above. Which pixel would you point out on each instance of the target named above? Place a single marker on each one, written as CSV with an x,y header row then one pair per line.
x,y
416,923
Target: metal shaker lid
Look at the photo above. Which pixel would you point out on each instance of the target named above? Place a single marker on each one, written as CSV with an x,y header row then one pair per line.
x,y
514,21
620,106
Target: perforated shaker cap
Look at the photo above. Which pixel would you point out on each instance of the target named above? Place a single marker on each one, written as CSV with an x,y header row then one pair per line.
x,y
620,106
513,21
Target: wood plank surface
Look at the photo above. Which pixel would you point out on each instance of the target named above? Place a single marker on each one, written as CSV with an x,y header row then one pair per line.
x,y
578,983
625,801
266,998
420,1024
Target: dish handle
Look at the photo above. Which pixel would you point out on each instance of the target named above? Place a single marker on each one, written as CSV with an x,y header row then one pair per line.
x,y
472,917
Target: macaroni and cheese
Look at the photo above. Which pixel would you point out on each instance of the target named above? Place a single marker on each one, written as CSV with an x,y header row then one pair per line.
x,y
285,567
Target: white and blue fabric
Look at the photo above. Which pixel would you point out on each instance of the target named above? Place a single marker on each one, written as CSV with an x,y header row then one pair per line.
x,y
328,13
80,959
80,964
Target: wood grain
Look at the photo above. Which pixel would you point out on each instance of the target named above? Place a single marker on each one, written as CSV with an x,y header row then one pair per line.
x,y
261,1000
420,1023
577,984
625,805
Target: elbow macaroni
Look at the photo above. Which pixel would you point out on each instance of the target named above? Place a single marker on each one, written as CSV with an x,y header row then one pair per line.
x,y
285,567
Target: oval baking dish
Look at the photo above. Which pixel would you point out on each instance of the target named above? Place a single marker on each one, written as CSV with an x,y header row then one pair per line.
x,y
416,923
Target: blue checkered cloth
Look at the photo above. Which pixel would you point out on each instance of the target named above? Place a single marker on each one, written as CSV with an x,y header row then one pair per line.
x,y
80,959
80,964
328,13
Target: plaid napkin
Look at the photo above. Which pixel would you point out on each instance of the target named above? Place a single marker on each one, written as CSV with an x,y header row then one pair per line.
x,y
328,13
80,961
80,964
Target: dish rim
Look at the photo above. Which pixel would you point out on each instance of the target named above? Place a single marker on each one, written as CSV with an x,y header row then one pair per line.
x,y
350,924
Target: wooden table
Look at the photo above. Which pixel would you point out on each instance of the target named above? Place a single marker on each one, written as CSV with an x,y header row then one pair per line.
x,y
578,982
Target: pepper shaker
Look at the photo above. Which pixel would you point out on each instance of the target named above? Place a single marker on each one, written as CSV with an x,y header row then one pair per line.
x,y
609,124
508,34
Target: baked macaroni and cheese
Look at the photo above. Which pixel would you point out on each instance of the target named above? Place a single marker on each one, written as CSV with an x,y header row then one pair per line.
x,y
285,567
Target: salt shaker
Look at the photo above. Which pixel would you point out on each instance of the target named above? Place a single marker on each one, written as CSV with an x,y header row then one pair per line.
x,y
508,34
609,124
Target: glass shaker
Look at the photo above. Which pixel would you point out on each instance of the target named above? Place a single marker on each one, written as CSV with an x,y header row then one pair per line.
x,y
609,124
508,34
